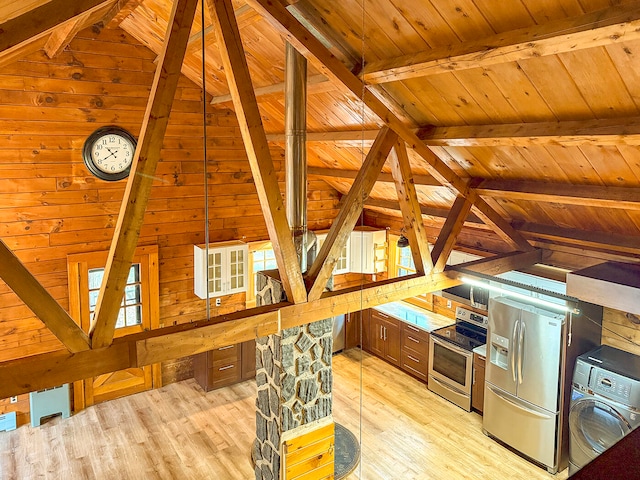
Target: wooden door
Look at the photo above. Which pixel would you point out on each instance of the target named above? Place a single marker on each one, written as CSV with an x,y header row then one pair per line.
x,y
140,312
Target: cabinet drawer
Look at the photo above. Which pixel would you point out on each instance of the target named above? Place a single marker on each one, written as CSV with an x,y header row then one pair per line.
x,y
415,365
415,342
224,374
375,314
227,354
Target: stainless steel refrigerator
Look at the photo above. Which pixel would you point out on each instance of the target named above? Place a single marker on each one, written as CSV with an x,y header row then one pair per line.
x,y
528,363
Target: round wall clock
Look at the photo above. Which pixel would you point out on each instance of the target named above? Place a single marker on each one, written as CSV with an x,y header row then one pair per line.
x,y
108,153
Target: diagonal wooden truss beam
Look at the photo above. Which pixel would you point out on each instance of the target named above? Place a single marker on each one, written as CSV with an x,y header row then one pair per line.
x,y
146,158
449,232
605,27
63,34
255,141
350,209
40,302
410,207
41,20
501,226
51,369
120,10
329,65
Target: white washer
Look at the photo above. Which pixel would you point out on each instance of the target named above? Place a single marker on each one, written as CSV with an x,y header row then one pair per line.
x,y
605,402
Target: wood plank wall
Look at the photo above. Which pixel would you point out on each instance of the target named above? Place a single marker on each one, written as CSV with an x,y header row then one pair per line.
x,y
50,206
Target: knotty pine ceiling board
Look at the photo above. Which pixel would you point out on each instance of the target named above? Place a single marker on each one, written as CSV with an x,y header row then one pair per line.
x,y
574,164
504,19
487,95
626,58
427,22
464,18
544,11
461,161
610,166
600,82
542,163
631,155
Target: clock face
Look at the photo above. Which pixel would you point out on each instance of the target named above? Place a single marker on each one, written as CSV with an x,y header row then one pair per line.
x,y
108,153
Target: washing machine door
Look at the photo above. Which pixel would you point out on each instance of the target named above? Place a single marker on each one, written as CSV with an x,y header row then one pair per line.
x,y
594,426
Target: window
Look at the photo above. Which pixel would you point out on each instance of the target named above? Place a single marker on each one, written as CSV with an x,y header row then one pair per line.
x,y
140,303
404,262
131,307
263,260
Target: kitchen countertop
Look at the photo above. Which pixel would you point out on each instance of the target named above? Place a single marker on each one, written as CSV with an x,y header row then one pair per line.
x,y
419,317
481,350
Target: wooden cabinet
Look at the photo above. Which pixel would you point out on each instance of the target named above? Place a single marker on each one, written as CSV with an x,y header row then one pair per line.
x,y
225,365
365,318
353,330
415,351
220,269
385,337
368,252
477,389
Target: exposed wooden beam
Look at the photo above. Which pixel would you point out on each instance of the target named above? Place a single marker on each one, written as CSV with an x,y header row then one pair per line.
x,y
315,84
40,302
354,137
609,241
449,232
627,198
329,65
120,10
410,208
498,264
596,29
51,369
146,158
424,180
62,35
501,226
426,211
607,131
41,20
350,209
255,141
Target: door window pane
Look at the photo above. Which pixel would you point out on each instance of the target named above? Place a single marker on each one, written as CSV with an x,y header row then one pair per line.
x,y
131,310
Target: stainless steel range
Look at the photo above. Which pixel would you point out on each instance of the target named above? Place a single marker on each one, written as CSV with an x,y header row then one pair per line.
x,y
451,356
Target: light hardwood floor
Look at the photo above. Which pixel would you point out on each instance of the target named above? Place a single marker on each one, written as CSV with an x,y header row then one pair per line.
x,y
180,432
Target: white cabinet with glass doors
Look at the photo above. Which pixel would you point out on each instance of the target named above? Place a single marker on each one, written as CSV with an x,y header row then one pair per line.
x,y
342,264
224,273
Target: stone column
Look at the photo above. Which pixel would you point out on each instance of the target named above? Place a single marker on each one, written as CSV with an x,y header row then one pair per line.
x,y
294,378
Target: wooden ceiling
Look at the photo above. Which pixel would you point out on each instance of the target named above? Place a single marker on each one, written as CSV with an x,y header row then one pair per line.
x,y
535,104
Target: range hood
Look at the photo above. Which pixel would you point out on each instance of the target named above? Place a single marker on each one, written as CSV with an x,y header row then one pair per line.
x,y
611,284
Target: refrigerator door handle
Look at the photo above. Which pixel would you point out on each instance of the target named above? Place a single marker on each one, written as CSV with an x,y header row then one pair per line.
x,y
512,350
517,405
520,351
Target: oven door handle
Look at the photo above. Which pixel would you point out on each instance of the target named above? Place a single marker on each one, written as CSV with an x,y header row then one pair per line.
x,y
451,346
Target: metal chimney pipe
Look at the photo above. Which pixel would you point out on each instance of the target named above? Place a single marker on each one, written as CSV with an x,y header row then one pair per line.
x,y
295,130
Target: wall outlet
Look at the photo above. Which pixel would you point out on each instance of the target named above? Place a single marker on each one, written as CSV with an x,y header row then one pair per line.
x,y
448,303
14,399
218,302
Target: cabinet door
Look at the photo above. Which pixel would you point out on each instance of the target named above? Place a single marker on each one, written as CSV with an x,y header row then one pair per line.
x,y
249,360
365,318
391,330
216,272
477,389
353,330
377,344
237,269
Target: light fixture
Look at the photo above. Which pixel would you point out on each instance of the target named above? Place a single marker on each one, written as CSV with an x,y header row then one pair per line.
x,y
403,241
521,296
